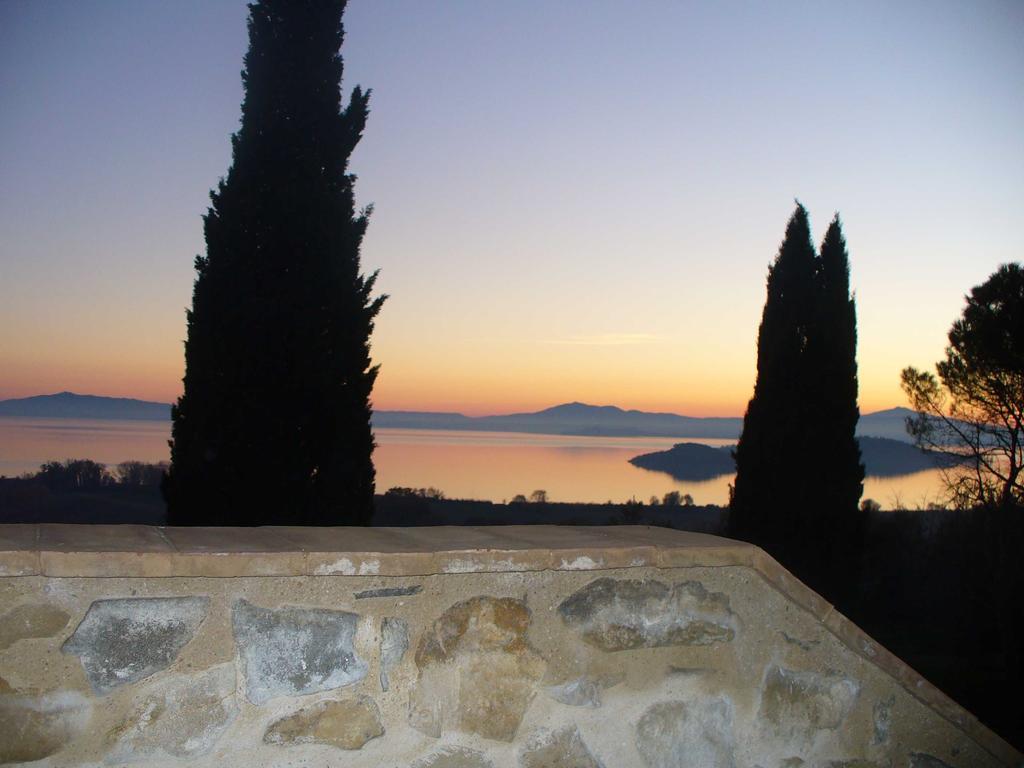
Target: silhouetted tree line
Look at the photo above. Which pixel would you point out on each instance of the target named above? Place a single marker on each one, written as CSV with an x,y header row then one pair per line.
x,y
86,474
672,499
85,491
73,474
539,496
274,422
798,471
415,493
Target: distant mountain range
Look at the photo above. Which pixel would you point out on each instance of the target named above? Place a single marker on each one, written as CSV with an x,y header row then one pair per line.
x,y
68,405
882,457
568,419
610,421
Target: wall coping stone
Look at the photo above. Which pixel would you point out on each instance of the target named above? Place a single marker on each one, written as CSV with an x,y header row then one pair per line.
x,y
133,551
140,551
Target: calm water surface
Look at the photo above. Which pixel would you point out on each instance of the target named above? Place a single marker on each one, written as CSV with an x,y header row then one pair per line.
x,y
470,465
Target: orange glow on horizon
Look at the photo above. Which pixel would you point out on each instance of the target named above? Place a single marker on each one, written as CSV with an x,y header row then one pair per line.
x,y
471,394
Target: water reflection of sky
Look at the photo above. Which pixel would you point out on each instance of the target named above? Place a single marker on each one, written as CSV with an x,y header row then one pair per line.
x,y
497,466
479,465
524,439
27,443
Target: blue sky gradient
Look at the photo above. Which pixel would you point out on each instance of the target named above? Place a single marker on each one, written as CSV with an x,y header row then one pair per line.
x,y
573,200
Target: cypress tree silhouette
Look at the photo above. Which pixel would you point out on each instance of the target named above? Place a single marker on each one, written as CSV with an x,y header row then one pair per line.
x,y
274,422
799,476
772,451
844,478
835,523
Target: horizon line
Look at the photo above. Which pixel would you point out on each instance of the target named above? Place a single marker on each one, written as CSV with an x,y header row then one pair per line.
x,y
449,412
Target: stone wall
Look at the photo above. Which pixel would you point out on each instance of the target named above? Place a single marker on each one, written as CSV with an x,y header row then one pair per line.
x,y
532,647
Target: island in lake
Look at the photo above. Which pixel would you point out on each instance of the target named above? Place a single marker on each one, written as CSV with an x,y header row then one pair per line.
x,y
882,457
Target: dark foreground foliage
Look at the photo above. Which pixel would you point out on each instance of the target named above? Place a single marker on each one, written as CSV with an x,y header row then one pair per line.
x,y
85,491
942,590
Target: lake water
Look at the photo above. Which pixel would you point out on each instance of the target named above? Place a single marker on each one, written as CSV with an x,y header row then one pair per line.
x,y
471,465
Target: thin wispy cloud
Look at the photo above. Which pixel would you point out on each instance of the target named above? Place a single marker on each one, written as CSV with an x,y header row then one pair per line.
x,y
607,340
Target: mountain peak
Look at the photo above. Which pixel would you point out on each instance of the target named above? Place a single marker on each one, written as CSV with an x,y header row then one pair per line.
x,y
897,411
576,407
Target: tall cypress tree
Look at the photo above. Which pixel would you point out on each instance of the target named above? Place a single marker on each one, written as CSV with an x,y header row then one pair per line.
x,y
842,474
772,451
831,550
274,422
799,475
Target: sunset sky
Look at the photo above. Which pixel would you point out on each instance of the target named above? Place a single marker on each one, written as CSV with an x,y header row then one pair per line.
x,y
573,200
